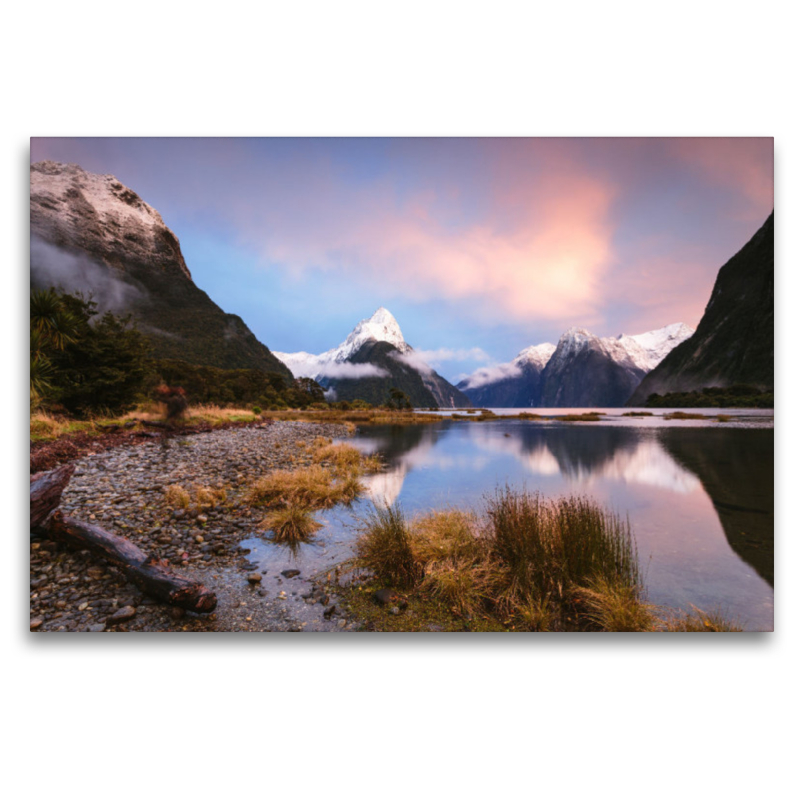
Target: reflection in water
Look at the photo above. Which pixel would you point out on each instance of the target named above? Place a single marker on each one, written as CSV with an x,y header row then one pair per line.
x,y
737,471
699,498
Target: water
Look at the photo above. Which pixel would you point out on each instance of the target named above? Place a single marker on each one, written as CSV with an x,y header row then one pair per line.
x,y
699,494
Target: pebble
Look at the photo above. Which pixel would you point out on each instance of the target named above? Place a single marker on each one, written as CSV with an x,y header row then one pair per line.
x,y
122,615
290,573
122,489
254,577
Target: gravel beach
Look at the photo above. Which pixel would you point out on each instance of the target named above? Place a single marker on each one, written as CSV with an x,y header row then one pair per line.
x,y
122,490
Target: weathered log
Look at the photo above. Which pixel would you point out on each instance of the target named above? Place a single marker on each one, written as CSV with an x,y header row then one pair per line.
x,y
46,490
152,575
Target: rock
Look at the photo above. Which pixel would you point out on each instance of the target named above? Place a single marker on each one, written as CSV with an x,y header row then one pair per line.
x,y
177,613
36,623
341,623
121,615
394,610
96,628
290,573
388,597
202,518
254,577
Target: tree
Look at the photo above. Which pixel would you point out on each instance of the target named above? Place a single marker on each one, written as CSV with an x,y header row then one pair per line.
x,y
398,399
92,365
54,325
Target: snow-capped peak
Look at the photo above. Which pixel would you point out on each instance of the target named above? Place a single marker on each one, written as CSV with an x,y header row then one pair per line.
x,y
537,354
380,327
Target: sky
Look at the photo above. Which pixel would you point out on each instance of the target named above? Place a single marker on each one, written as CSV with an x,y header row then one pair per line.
x,y
479,247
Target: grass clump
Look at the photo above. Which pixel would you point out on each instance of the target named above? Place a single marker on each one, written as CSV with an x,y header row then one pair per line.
x,y
684,415
313,487
724,417
176,496
343,457
209,497
698,621
616,606
637,414
291,524
589,416
384,547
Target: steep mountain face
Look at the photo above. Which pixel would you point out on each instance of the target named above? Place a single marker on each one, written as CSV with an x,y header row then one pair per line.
x,y
583,370
92,234
372,359
517,384
734,342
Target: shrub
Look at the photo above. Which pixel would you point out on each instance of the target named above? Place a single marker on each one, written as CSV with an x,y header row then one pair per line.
x,y
314,487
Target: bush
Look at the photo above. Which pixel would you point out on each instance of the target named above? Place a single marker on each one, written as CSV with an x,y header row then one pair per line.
x,y
103,368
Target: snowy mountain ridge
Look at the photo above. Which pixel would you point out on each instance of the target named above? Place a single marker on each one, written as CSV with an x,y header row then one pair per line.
x,y
380,327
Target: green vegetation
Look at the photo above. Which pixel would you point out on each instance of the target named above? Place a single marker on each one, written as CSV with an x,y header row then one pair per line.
x,y
242,387
81,362
588,416
738,396
638,414
685,415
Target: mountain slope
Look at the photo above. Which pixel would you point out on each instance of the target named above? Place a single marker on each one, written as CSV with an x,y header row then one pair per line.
x,y
517,384
734,342
92,234
583,370
360,369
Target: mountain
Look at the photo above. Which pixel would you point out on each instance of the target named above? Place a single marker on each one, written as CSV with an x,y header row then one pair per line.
x,y
372,359
582,370
517,384
91,233
734,342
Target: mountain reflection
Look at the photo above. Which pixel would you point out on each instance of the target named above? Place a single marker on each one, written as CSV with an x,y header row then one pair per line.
x,y
736,468
733,466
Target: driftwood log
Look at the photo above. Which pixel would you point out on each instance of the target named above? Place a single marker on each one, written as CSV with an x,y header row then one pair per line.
x,y
152,575
46,490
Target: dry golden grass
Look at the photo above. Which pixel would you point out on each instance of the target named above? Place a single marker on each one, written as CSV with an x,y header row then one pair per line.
x,y
684,415
176,496
724,417
343,457
698,621
313,487
291,524
613,606
209,497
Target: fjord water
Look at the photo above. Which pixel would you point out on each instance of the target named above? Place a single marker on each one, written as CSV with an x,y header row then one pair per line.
x,y
699,494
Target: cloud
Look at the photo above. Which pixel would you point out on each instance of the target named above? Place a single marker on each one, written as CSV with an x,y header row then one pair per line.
x,y
342,371
486,375
424,361
72,272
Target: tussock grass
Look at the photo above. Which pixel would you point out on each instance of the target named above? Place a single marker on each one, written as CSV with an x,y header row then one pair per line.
x,y
384,547
684,415
343,457
589,416
637,414
313,487
614,606
209,497
176,496
539,564
698,621
525,563
291,524
724,417
376,416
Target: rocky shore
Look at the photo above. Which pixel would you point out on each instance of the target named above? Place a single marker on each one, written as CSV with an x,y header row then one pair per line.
x,y
123,490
